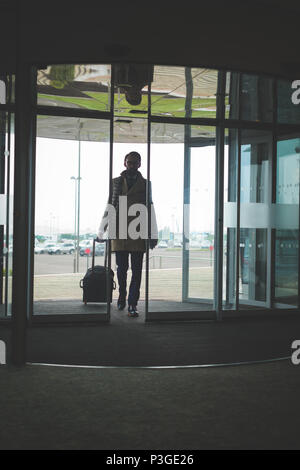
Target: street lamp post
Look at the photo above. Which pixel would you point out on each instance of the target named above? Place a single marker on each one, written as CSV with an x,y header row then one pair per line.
x,y
77,204
75,226
80,125
76,222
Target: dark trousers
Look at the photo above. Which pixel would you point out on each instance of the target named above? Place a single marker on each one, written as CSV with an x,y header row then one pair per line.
x,y
122,258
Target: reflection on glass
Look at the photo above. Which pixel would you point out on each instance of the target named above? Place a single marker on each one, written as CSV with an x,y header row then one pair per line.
x,y
172,133
13,88
256,98
130,131
131,89
253,264
70,128
287,267
2,90
184,92
254,215
7,89
249,97
288,108
287,222
230,219
75,86
68,207
232,95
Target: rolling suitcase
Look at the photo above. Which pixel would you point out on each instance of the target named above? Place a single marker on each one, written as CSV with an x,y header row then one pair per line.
x,y
94,283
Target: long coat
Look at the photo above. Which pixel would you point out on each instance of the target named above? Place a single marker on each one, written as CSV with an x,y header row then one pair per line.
x,y
135,195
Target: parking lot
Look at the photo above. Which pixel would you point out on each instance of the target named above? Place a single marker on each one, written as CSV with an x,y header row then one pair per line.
x,y
56,279
159,258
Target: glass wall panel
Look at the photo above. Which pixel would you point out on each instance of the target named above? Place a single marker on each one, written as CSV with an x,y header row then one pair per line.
x,y
256,98
181,276
9,189
75,86
3,88
4,248
72,183
6,210
288,107
13,88
231,108
287,222
230,218
7,89
250,97
256,151
232,88
184,92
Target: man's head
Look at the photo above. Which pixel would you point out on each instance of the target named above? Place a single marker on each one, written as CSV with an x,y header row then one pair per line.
x,y
132,162
133,96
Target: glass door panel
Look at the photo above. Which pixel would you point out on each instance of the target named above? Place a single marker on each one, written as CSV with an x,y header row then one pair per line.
x,y
230,219
181,274
201,224
255,218
165,260
72,163
286,288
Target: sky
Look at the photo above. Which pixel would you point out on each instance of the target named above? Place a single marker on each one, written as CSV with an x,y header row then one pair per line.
x,y
57,162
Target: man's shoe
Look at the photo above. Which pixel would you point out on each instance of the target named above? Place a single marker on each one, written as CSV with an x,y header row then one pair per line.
x,y
132,311
121,303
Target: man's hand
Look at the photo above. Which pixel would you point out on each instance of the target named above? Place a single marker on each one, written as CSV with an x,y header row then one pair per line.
x,y
152,243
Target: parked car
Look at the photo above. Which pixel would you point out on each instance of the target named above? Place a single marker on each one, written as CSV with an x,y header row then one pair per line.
x,y
43,248
38,249
67,248
99,249
195,244
55,249
162,244
85,243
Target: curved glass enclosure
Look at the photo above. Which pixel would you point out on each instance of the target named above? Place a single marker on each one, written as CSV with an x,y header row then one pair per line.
x,y
221,150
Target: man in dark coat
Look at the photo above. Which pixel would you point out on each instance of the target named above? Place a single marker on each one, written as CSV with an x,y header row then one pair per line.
x,y
133,186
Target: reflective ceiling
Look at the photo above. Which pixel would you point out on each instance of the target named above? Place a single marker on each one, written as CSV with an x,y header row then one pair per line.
x,y
88,87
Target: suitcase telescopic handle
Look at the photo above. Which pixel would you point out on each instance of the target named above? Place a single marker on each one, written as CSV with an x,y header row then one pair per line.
x,y
105,256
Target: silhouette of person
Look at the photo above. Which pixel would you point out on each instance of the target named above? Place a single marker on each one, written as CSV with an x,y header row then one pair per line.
x,y
132,184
